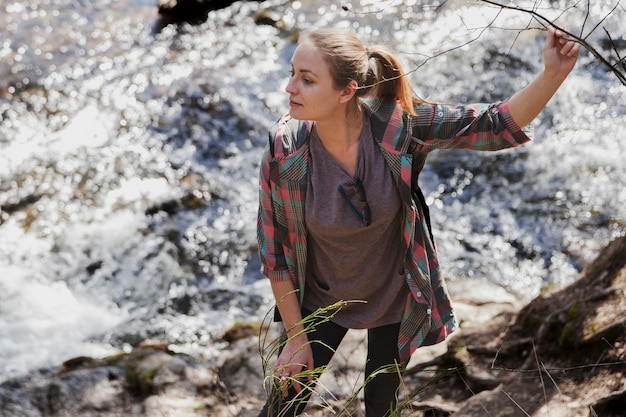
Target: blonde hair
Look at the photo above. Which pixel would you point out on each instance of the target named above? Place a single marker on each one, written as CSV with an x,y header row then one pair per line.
x,y
348,59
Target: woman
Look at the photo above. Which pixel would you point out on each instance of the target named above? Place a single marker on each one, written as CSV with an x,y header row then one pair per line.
x,y
342,221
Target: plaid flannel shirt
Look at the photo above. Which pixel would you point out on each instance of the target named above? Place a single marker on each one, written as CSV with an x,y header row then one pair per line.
x,y
405,142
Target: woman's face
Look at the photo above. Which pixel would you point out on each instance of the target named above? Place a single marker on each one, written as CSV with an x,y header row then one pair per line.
x,y
312,95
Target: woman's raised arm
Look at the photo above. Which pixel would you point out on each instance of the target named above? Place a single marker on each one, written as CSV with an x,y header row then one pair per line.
x,y
559,55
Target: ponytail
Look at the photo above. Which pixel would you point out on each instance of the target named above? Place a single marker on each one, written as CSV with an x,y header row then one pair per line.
x,y
387,80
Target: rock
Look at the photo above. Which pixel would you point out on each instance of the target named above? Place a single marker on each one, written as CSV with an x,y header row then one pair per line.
x,y
194,11
563,354
240,365
241,369
611,405
148,381
243,331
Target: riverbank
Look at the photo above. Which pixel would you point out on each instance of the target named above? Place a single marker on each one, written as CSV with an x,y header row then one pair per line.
x,y
561,355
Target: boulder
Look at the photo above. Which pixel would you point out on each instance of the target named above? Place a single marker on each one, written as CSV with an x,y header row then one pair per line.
x,y
562,354
148,381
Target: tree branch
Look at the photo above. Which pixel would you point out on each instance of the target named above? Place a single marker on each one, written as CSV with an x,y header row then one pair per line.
x,y
620,73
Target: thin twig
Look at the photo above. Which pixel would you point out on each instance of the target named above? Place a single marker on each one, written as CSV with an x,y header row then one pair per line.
x,y
515,402
543,385
551,379
620,60
563,370
474,394
602,20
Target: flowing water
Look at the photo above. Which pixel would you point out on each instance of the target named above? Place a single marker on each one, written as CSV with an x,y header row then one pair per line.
x,y
129,154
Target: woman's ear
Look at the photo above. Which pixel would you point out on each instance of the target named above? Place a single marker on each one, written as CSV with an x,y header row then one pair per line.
x,y
348,92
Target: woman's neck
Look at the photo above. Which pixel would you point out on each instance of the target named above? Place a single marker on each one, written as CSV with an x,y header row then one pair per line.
x,y
341,137
341,132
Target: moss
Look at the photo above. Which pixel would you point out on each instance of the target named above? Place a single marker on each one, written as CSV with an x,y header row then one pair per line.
x,y
570,330
567,337
140,371
200,407
115,358
139,380
573,312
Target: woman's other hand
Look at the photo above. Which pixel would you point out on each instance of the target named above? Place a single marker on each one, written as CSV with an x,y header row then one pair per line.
x,y
559,53
295,358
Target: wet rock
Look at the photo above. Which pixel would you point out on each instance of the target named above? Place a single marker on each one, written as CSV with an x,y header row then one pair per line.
x,y
243,331
145,382
193,11
269,17
241,367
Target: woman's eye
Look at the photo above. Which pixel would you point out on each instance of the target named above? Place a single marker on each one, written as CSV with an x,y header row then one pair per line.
x,y
305,80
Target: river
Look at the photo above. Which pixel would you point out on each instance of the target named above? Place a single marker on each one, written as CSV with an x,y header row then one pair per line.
x,y
129,154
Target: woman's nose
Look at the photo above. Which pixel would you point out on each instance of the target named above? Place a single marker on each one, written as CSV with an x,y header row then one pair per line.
x,y
290,88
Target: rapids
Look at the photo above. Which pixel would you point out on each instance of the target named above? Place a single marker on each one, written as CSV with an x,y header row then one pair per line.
x,y
129,154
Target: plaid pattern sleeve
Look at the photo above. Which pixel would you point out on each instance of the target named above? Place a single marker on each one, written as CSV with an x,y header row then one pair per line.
x,y
281,229
273,262
481,127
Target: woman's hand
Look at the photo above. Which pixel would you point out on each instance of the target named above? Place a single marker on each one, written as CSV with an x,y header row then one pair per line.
x,y
295,358
559,53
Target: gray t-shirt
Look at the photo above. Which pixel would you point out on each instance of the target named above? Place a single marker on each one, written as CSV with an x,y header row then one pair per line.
x,y
349,260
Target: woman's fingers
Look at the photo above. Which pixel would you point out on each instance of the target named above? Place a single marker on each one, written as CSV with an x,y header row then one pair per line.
x,y
559,53
287,375
570,48
566,46
282,380
284,385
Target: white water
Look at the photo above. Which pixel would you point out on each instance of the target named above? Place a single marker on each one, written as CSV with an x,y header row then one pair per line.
x,y
110,133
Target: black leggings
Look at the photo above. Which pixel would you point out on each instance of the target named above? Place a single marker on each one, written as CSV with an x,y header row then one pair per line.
x,y
379,392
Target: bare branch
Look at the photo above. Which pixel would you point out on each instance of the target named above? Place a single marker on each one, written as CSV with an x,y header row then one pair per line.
x,y
582,39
